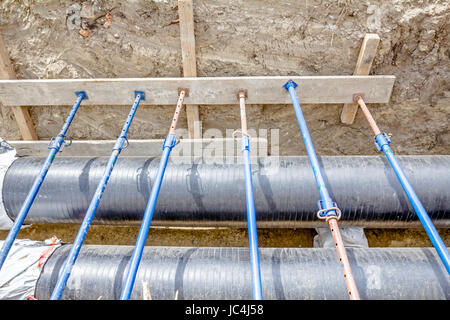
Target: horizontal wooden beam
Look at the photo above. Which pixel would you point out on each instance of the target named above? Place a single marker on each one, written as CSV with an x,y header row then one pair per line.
x,y
219,90
143,148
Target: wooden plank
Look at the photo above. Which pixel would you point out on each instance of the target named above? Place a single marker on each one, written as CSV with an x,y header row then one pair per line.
x,y
220,90
141,148
187,39
363,65
21,113
24,122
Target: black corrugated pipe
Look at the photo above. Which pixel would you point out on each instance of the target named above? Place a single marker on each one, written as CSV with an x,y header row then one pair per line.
x,y
202,192
224,273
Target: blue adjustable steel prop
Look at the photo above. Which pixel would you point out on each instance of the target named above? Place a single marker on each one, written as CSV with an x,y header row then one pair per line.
x,y
55,146
169,143
327,208
382,143
75,249
251,216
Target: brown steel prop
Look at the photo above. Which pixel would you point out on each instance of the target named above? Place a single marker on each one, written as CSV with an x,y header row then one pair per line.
x,y
342,254
182,93
358,98
242,95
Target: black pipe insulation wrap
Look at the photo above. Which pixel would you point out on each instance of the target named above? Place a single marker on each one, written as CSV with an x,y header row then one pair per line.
x,y
207,191
224,273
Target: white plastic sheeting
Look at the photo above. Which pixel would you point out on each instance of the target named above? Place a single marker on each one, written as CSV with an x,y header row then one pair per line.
x,y
22,267
353,237
7,156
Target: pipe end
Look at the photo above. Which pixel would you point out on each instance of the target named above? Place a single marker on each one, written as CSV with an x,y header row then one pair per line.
x,y
358,96
186,91
242,93
142,93
81,94
290,83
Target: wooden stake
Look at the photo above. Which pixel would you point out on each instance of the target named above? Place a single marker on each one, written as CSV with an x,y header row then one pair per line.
x,y
363,65
21,114
187,38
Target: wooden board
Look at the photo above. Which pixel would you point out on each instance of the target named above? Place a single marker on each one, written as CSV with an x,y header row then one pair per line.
x,y
220,90
363,65
187,39
21,113
141,148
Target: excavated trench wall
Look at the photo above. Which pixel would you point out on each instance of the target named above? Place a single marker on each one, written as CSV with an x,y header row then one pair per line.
x,y
240,38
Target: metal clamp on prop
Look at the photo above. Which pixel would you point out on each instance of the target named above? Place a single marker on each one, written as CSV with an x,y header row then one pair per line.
x,y
237,131
381,140
170,141
59,142
121,143
245,143
322,213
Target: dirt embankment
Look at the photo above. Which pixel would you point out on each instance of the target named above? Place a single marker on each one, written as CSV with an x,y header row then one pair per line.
x,y
237,38
221,237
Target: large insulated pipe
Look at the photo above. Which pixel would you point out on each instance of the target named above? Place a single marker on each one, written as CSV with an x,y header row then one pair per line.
x,y
223,273
200,192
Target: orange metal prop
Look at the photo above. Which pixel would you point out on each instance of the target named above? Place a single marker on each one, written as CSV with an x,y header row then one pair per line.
x,y
242,96
173,126
359,100
345,264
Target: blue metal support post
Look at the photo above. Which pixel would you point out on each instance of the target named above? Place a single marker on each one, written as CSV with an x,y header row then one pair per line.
x,y
327,208
382,142
167,147
251,216
75,249
55,146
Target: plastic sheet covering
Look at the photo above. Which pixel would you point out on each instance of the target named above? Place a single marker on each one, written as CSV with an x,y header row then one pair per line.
x,y
353,237
201,192
7,156
22,268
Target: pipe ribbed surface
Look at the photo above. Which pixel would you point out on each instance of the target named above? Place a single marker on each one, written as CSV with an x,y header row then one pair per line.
x,y
207,193
224,273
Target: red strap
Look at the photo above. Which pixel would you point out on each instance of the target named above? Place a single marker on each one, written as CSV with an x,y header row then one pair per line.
x,y
47,252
